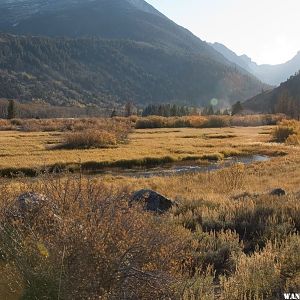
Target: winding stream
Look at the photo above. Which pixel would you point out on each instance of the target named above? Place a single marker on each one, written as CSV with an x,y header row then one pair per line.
x,y
183,168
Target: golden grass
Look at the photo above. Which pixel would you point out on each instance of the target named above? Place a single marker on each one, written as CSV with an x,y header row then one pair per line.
x,y
87,139
218,234
287,131
36,149
217,121
227,239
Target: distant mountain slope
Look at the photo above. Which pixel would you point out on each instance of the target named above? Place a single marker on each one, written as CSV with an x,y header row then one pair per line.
x,y
109,19
113,50
283,99
242,61
271,74
66,71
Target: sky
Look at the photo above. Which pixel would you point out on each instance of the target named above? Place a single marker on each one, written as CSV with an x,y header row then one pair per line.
x,y
268,31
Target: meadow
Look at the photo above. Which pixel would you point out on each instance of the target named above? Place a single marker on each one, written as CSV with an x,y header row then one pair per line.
x,y
228,237
35,145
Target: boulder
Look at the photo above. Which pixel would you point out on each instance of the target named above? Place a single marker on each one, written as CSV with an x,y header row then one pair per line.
x,y
30,202
278,192
152,201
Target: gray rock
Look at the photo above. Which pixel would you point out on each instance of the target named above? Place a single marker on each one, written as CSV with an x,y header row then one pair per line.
x,y
152,201
25,205
30,202
278,192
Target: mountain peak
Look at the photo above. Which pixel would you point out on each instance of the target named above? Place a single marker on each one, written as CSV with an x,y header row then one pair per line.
x,y
144,6
270,74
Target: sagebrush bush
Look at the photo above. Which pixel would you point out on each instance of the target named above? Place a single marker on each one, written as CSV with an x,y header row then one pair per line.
x,y
266,274
287,131
88,243
200,286
7,125
90,138
257,277
84,133
216,122
206,121
151,122
119,124
218,249
289,257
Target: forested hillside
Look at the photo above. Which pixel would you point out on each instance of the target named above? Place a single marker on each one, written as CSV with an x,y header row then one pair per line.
x,y
284,99
108,52
91,70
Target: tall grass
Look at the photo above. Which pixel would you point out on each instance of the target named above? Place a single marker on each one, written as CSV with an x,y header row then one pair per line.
x,y
288,131
90,138
65,125
207,121
79,124
86,242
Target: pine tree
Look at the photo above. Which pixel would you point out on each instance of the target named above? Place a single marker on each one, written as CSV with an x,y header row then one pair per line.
x,y
226,112
113,113
11,110
210,110
128,109
236,108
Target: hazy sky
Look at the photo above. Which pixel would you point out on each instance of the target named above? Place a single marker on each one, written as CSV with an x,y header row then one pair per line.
x,y
266,30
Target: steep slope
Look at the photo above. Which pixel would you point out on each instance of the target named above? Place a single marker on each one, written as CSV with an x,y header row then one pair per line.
x,y
232,56
148,57
66,71
271,74
283,99
109,19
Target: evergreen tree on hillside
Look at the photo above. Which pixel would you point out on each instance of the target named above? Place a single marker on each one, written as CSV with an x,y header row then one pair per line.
x,y
236,108
128,109
208,111
11,110
226,112
166,110
113,113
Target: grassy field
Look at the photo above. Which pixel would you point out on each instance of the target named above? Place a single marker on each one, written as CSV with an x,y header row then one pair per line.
x,y
228,238
36,149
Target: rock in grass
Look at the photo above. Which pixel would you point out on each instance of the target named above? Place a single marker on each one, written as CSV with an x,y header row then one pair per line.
x,y
31,202
30,206
152,201
26,204
278,192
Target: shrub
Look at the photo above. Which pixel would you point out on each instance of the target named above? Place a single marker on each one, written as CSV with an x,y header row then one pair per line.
x,y
206,121
287,131
89,139
289,257
200,286
151,122
7,125
293,139
230,179
216,122
255,120
86,242
121,126
217,249
256,277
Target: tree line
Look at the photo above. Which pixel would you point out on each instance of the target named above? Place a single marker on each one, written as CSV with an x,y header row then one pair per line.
x,y
174,110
